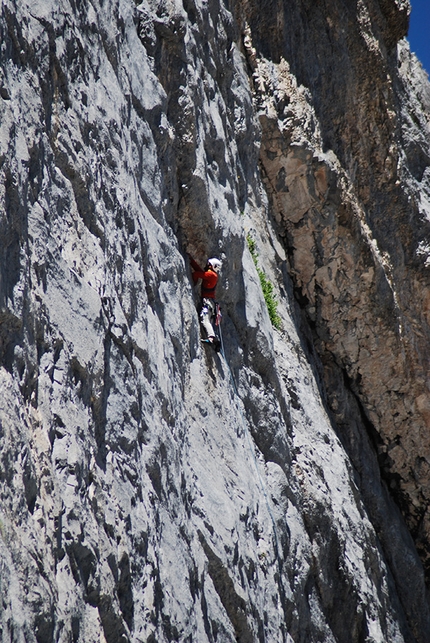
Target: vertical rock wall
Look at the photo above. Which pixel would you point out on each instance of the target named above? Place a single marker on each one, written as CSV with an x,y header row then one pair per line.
x,y
350,194
152,490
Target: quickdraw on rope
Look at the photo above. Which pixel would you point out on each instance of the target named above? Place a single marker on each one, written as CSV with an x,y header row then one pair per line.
x,y
218,317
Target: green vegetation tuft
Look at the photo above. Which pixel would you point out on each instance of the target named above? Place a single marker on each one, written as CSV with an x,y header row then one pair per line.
x,y
266,286
252,246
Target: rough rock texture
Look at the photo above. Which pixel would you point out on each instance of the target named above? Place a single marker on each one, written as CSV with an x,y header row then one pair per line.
x,y
151,489
350,192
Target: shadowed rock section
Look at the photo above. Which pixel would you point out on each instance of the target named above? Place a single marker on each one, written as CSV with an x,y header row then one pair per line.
x,y
353,232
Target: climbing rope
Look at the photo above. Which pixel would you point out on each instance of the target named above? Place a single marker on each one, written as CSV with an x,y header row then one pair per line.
x,y
259,477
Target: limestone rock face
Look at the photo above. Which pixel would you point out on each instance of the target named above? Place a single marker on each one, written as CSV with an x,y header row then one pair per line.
x,y
351,197
151,489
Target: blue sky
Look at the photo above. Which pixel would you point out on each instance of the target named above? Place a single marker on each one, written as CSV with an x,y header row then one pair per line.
x,y
419,31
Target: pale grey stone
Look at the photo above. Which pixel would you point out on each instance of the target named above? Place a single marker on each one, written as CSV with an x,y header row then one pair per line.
x,y
153,490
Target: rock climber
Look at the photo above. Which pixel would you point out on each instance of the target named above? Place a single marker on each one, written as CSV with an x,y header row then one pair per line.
x,y
209,277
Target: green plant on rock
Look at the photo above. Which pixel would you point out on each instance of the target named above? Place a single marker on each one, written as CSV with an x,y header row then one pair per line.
x,y
266,285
